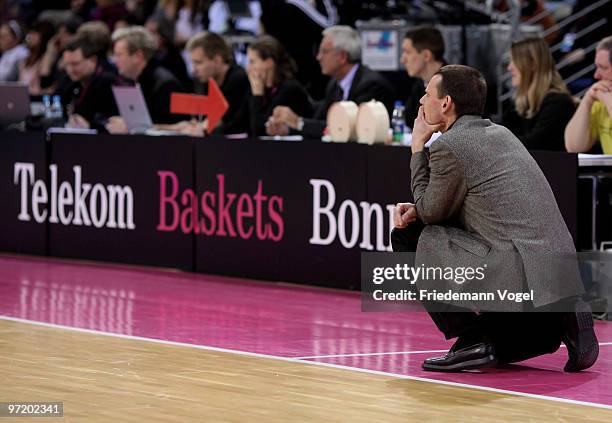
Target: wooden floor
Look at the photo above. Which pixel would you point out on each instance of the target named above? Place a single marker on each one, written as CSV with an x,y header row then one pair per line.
x,y
105,378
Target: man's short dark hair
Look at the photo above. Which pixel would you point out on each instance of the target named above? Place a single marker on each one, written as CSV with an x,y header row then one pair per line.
x,y
427,37
466,86
82,42
212,44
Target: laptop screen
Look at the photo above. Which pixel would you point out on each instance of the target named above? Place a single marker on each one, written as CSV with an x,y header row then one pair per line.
x,y
133,108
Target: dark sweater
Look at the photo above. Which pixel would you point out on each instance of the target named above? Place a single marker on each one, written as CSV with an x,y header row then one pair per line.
x,y
235,88
93,99
545,130
157,84
259,108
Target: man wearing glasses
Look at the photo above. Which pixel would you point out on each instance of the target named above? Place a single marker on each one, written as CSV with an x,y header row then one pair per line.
x,y
340,58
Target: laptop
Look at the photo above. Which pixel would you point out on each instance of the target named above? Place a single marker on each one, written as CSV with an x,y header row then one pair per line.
x,y
14,102
133,108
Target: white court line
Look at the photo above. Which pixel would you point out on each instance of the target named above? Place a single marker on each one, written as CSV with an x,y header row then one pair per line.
x,y
369,354
312,363
601,344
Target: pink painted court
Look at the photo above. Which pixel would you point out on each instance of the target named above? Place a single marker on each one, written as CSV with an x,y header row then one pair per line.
x,y
272,319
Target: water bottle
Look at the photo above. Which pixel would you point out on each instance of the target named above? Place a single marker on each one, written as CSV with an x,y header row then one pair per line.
x,y
57,112
398,122
46,106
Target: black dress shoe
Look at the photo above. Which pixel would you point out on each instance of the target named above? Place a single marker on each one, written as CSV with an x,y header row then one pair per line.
x,y
476,356
579,337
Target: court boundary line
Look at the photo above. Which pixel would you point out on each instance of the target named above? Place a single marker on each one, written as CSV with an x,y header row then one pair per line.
x,y
307,357
308,362
601,344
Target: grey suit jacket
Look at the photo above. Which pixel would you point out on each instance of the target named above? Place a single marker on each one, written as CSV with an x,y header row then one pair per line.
x,y
484,199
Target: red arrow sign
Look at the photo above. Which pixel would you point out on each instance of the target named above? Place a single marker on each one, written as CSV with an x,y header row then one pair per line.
x,y
214,105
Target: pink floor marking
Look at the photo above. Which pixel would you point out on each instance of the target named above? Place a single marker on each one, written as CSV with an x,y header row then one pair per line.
x,y
265,318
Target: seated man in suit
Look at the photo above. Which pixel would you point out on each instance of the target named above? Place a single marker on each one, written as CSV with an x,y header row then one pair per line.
x,y
212,57
339,57
133,51
465,212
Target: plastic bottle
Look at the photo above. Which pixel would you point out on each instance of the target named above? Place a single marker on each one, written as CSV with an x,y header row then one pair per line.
x,y
57,112
46,100
398,123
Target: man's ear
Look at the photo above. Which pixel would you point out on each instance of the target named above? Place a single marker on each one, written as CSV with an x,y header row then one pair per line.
x,y
448,102
218,60
427,55
141,55
343,56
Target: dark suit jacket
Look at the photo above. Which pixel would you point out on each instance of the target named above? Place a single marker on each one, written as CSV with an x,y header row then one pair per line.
x,y
157,84
289,93
484,200
367,85
93,99
236,89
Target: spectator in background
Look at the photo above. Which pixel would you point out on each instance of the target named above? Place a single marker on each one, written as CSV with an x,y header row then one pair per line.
x,y
109,12
13,52
306,19
542,103
593,119
168,55
422,56
272,74
133,51
339,57
50,72
99,35
576,51
36,40
191,19
89,98
82,8
535,12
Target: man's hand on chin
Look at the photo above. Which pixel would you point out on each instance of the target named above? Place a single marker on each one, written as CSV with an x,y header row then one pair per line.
x,y
422,131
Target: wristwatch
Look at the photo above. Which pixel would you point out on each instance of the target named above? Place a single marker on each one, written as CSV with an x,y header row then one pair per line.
x,y
300,124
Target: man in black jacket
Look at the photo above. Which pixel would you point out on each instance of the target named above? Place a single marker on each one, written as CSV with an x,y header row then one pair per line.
x,y
340,57
133,51
89,97
212,57
422,56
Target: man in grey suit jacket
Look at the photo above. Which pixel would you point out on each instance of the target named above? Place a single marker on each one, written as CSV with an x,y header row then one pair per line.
x,y
479,197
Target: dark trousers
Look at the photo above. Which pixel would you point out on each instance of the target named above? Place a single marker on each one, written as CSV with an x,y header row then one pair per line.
x,y
516,336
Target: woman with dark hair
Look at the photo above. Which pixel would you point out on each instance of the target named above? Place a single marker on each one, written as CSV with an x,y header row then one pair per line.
x,y
272,74
542,103
36,41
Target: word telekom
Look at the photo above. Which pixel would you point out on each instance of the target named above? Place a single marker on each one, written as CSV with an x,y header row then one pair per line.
x,y
73,202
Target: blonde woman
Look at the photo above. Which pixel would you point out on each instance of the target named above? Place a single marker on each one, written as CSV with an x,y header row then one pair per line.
x,y
542,103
